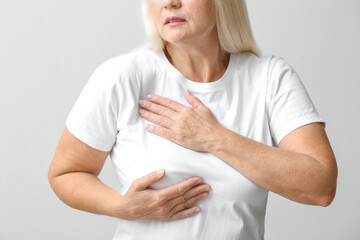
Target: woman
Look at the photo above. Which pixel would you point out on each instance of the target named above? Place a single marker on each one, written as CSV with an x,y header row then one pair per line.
x,y
247,126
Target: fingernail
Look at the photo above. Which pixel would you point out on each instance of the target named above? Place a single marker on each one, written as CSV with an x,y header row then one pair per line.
x,y
207,188
149,96
198,180
161,172
197,209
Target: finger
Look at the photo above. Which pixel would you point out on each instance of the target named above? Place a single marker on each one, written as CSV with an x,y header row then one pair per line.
x,y
180,188
158,119
166,102
149,179
194,101
156,108
185,213
188,203
189,194
163,132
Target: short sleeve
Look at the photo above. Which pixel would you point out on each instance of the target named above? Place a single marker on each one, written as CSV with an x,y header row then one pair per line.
x,y
93,118
289,104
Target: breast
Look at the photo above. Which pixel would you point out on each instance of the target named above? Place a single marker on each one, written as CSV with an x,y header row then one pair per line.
x,y
138,152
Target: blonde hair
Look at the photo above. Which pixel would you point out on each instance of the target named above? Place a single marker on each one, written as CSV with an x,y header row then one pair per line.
x,y
232,23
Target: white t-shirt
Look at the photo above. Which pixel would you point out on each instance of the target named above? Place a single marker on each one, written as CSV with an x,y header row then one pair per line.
x,y
260,98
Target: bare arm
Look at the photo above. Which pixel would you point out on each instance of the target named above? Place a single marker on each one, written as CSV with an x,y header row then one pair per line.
x,y
73,175
303,167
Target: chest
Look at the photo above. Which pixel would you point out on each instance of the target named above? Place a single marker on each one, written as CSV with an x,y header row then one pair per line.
x,y
138,152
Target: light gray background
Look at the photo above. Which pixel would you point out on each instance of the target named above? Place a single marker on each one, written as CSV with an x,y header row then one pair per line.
x,y
48,49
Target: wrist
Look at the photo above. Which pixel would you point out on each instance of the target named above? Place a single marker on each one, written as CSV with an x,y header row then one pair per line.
x,y
216,139
116,206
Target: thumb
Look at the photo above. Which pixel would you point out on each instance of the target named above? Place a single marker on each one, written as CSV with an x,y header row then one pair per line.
x,y
194,101
149,179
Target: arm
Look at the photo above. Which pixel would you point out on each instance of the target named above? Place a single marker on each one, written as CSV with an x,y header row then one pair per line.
x,y
303,167
73,175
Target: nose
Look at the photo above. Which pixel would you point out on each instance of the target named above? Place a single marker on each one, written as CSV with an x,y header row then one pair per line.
x,y
172,4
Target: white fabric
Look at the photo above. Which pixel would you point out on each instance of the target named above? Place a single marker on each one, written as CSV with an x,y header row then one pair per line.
x,y
260,98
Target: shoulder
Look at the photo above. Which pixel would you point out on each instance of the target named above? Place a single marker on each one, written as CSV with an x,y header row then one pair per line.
x,y
271,67
257,69
130,65
264,63
134,61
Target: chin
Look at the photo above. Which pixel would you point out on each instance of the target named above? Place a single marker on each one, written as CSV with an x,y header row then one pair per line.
x,y
175,38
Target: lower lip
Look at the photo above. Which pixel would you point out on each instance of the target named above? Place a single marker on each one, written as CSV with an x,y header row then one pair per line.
x,y
174,24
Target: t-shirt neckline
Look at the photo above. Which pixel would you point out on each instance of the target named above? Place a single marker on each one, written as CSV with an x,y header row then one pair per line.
x,y
197,86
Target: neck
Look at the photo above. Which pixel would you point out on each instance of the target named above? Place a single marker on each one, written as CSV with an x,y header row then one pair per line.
x,y
203,62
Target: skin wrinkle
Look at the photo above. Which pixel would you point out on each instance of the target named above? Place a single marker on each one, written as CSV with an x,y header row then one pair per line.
x,y
302,168
193,48
293,170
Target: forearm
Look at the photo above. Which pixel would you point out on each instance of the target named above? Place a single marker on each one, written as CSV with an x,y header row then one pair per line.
x,y
84,191
295,176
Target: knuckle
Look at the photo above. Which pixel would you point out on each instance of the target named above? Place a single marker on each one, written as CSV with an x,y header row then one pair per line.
x,y
163,130
168,122
167,103
196,104
165,216
166,209
191,184
158,200
190,193
163,121
160,121
161,110
153,118
136,183
145,103
181,119
162,211
188,202
172,217
185,214
181,190
183,206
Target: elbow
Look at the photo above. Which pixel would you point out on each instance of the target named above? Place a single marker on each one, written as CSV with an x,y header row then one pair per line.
x,y
329,190
327,196
52,174
326,200
51,178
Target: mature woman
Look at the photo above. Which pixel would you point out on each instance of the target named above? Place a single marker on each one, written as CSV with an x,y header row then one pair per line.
x,y
194,164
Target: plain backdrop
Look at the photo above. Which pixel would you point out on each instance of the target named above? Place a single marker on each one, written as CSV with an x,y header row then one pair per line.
x,y
48,50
